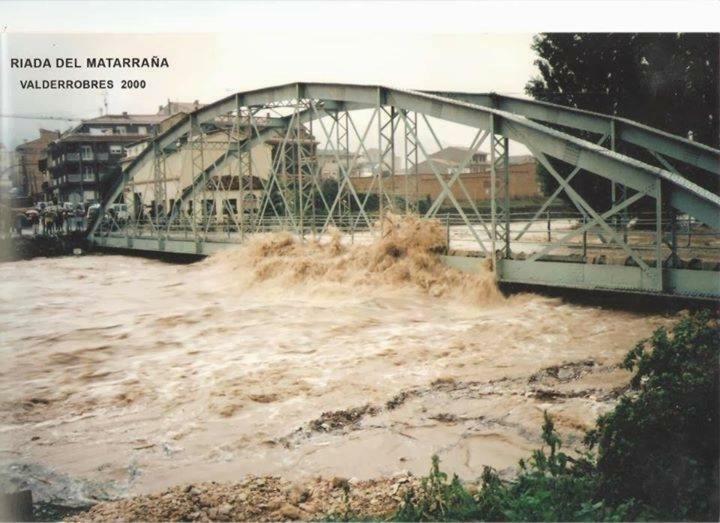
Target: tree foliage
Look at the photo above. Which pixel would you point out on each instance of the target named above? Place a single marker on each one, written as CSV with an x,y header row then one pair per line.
x,y
667,81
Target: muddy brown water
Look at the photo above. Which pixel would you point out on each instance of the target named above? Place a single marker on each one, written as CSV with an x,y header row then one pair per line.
x,y
125,375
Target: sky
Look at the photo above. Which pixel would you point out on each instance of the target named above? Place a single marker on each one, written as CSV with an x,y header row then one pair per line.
x,y
217,48
206,67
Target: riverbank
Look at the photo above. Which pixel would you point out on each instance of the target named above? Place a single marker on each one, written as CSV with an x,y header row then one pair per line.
x,y
28,247
264,499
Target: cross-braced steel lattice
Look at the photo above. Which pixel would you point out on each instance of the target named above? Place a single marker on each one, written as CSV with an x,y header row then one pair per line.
x,y
307,158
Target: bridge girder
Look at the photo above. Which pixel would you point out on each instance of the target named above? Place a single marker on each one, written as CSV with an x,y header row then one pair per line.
x,y
315,101
683,195
677,147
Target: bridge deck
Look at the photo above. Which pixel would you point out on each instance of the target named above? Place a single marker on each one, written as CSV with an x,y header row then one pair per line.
x,y
581,262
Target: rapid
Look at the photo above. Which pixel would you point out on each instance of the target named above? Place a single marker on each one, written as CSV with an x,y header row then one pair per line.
x,y
124,375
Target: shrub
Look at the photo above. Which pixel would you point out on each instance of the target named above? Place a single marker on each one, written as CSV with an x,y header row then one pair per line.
x,y
438,499
549,487
660,446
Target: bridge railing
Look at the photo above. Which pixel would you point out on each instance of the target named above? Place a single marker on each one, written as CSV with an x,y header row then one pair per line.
x,y
694,244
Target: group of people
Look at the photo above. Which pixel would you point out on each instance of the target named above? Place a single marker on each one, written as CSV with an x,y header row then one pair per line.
x,y
51,220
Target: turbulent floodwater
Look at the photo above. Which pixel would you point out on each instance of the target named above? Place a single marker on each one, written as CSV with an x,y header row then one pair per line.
x,y
286,359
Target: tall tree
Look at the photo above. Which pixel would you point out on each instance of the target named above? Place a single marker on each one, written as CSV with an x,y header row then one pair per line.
x,y
668,81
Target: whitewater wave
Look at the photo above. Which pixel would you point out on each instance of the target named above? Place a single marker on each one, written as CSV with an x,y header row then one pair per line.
x,y
406,256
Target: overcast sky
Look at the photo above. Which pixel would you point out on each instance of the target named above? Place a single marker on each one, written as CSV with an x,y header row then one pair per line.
x,y
206,67
216,48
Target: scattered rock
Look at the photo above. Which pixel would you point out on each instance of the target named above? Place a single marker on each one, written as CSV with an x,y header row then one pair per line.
x,y
340,419
563,373
291,512
444,417
339,483
261,499
400,398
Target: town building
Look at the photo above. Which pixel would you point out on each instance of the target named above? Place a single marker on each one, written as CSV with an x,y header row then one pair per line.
x,y
449,158
475,178
30,155
332,163
179,107
84,162
8,169
222,198
225,200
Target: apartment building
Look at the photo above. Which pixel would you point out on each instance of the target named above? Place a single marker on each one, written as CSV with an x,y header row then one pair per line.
x,y
83,163
30,155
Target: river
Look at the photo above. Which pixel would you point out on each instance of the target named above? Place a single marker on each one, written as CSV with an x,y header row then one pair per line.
x,y
125,375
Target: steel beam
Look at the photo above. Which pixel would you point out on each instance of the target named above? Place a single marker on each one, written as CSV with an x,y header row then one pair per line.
x,y
690,152
682,194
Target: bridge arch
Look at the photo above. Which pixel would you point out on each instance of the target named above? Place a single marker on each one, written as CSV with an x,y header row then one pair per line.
x,y
397,108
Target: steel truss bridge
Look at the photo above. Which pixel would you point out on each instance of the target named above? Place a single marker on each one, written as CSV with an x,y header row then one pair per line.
x,y
199,186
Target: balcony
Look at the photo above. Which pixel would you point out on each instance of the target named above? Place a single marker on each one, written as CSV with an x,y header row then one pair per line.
x,y
88,157
103,157
74,178
71,157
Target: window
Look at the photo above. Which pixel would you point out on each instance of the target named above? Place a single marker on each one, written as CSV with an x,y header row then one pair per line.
x,y
230,206
86,152
121,129
209,207
88,173
88,196
142,130
116,149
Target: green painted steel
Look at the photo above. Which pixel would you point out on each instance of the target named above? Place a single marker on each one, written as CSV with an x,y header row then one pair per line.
x,y
499,118
677,147
684,195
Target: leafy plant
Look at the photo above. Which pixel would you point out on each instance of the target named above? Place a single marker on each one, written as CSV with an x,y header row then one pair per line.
x,y
438,499
660,445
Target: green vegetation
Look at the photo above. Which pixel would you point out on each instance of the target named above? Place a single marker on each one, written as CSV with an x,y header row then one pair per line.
x,y
657,452
632,75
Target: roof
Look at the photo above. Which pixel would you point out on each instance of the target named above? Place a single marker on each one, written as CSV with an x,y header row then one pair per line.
x,y
332,153
454,154
443,164
179,107
39,143
119,119
109,138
